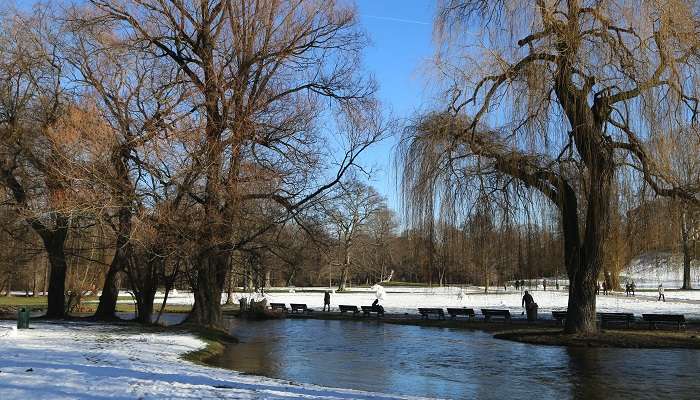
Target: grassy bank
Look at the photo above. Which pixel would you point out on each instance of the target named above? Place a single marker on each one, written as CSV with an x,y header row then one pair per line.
x,y
628,338
545,332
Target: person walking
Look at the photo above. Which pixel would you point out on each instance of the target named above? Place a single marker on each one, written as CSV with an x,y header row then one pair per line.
x,y
627,289
544,284
632,287
661,293
605,288
597,288
327,300
530,306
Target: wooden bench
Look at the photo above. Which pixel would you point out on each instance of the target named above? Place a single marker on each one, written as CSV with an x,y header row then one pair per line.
x,y
627,318
560,316
491,313
425,312
278,306
654,319
368,310
300,307
346,308
454,312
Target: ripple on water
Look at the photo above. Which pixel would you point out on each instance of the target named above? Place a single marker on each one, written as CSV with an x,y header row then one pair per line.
x,y
452,363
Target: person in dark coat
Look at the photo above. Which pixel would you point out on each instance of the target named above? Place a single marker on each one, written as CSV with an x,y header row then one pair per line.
x,y
527,300
377,307
327,300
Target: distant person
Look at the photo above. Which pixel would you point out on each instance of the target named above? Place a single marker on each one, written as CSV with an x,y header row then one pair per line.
x,y
527,300
627,289
530,306
517,285
597,288
605,288
544,284
632,287
377,307
661,293
327,300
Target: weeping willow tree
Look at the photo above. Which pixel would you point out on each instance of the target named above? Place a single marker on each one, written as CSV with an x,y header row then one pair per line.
x,y
554,97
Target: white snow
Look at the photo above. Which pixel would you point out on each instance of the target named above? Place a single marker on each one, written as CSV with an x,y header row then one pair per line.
x,y
87,361
406,300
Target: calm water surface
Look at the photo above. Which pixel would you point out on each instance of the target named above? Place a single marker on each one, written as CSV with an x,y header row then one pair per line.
x,y
452,363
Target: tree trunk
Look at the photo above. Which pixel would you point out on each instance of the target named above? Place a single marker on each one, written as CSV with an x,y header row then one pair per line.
x,y
686,251
586,264
211,276
144,305
54,243
343,277
57,277
107,307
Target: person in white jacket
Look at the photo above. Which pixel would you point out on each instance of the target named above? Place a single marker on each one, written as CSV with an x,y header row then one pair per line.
x,y
661,293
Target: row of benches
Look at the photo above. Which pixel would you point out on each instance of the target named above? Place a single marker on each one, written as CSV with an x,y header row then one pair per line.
x,y
302,308
627,318
605,318
488,313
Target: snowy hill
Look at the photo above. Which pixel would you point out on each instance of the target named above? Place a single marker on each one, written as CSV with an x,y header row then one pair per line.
x,y
651,269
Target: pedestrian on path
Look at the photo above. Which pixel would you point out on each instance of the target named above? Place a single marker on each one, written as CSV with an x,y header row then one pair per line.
x,y
661,293
327,300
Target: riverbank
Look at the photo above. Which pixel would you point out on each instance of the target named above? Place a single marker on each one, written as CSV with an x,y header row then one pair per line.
x,y
543,332
79,360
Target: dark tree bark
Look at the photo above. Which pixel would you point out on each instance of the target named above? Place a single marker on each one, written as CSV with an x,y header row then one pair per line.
x,y
107,306
687,257
54,243
210,279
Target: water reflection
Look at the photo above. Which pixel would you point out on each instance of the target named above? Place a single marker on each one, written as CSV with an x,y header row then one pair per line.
x,y
451,363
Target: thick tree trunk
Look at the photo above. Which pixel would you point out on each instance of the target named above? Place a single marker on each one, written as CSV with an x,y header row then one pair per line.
x,y
211,277
686,251
144,305
107,307
57,276
587,263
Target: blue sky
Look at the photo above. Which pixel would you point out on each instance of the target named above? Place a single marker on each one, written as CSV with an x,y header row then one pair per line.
x,y
401,35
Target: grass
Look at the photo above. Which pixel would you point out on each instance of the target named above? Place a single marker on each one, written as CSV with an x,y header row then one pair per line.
x,y
21,301
627,338
216,341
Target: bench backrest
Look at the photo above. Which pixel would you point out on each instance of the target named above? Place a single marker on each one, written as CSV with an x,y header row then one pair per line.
x,y
616,315
460,311
344,307
487,311
430,310
302,306
664,317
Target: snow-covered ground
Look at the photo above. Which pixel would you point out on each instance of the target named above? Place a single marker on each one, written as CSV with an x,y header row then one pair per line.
x,y
84,361
406,300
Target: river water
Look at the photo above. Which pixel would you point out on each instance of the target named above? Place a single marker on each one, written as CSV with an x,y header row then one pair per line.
x,y
453,363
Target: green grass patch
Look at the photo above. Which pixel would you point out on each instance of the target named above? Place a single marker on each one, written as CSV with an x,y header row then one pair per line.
x,y
21,301
216,341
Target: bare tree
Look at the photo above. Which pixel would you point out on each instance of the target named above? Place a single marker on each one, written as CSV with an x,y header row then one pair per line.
x,y
257,72
349,212
572,90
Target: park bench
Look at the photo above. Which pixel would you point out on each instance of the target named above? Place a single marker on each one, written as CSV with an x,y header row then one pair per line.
x,y
654,319
627,318
454,312
345,308
490,313
368,310
300,307
560,316
278,306
425,312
